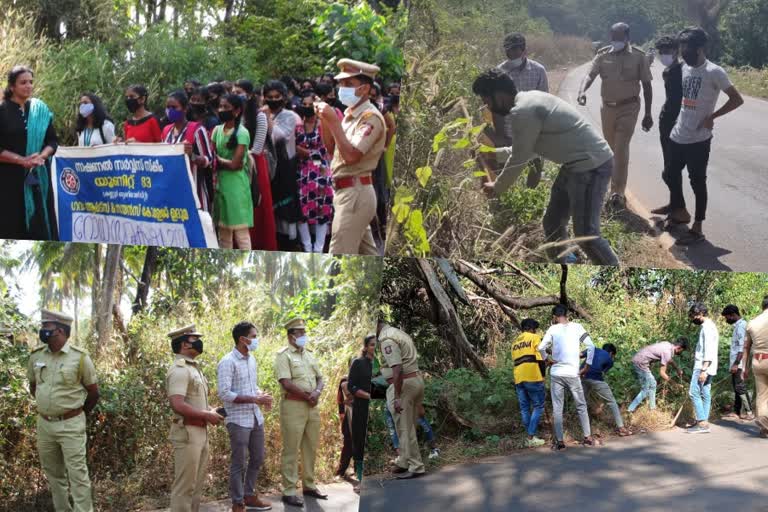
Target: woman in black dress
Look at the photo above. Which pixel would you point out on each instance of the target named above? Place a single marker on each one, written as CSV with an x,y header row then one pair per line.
x,y
27,141
359,386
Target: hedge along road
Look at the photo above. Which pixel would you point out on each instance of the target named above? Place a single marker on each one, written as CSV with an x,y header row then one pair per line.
x,y
737,177
669,470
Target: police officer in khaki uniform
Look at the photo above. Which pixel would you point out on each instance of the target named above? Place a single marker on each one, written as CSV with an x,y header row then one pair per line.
x,y
62,378
622,68
404,396
187,391
360,140
299,375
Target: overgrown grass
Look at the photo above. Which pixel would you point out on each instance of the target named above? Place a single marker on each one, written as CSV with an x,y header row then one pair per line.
x,y
750,81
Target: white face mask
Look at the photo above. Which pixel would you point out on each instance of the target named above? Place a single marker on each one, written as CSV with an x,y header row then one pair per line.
x,y
86,109
348,97
618,45
667,60
253,344
516,63
301,341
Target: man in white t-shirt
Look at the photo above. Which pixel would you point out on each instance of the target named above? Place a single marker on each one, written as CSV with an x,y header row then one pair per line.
x,y
704,367
741,406
692,135
565,339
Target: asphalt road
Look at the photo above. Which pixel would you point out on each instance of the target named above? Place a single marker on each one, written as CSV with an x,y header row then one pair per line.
x,y
723,470
341,498
736,230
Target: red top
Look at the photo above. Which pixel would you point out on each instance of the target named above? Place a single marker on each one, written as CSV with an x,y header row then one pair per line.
x,y
143,130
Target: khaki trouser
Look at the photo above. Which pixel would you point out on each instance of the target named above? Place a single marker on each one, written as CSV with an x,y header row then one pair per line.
x,y
760,370
300,429
411,398
190,453
355,208
618,127
61,446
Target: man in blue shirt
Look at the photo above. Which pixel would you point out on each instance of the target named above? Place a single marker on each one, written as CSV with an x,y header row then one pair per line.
x,y
593,380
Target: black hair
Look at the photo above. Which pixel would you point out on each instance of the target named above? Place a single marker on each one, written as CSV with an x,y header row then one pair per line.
x,y
667,43
365,79
682,342
14,75
241,329
275,85
493,81
731,309
215,88
139,89
323,89
330,76
312,83
560,310
99,113
237,103
176,343
192,81
693,37
290,83
366,340
765,302
698,308
251,110
181,97
621,26
610,348
529,324
514,40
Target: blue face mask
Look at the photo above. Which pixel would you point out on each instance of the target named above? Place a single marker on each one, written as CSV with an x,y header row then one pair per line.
x,y
301,341
86,109
253,344
348,97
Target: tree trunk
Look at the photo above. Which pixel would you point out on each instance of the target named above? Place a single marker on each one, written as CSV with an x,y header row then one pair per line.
x,y
75,330
706,13
163,10
142,290
95,288
448,322
106,296
230,5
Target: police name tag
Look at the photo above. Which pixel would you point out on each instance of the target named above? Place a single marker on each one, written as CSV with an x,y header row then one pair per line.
x,y
39,364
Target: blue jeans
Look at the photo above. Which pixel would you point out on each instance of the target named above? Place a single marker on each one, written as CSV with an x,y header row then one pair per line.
x,y
429,435
531,395
701,395
647,389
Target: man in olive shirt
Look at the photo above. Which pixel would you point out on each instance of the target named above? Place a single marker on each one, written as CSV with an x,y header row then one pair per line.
x,y
756,345
187,390
62,378
622,68
360,140
408,393
302,383
543,124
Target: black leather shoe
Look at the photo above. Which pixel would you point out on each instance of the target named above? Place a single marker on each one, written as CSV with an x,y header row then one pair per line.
x,y
397,470
294,501
315,494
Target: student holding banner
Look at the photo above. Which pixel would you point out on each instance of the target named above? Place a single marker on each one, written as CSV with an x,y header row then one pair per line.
x,y
142,126
93,126
233,209
27,141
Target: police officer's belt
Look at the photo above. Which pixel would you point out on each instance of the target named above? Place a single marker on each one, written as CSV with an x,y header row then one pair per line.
x,y
406,376
621,102
349,181
195,422
760,355
67,415
526,359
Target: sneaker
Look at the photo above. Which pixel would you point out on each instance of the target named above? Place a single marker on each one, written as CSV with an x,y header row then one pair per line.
x,y
534,442
435,453
697,429
256,503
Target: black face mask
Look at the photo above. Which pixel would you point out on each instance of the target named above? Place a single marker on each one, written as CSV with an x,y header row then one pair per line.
x,y
197,345
697,321
691,57
496,109
306,112
275,104
731,320
45,335
214,103
132,104
226,115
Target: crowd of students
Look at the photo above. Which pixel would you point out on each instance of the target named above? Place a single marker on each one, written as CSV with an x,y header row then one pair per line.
x,y
260,162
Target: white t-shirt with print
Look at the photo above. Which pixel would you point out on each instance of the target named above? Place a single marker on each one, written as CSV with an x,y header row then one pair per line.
x,y
566,340
701,88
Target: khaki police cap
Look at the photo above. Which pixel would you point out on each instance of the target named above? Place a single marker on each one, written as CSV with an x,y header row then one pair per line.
x,y
189,330
295,323
47,315
350,68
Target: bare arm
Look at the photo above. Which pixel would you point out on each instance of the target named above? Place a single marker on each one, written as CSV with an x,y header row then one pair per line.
x,y
92,398
237,160
648,97
735,100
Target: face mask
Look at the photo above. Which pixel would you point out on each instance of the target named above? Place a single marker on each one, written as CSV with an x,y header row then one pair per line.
x,y
174,115
731,321
306,112
275,104
253,344
132,104
301,341
691,57
697,321
45,335
226,116
667,60
618,45
243,97
516,63
197,345
348,97
86,109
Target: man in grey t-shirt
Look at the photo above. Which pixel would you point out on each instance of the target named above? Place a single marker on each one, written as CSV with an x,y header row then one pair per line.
x,y
663,352
692,135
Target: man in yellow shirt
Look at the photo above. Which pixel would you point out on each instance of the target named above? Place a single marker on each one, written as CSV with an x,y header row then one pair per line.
x,y
529,378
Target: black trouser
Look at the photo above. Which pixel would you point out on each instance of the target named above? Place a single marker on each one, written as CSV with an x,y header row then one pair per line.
x,y
359,428
741,399
696,158
346,450
664,133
